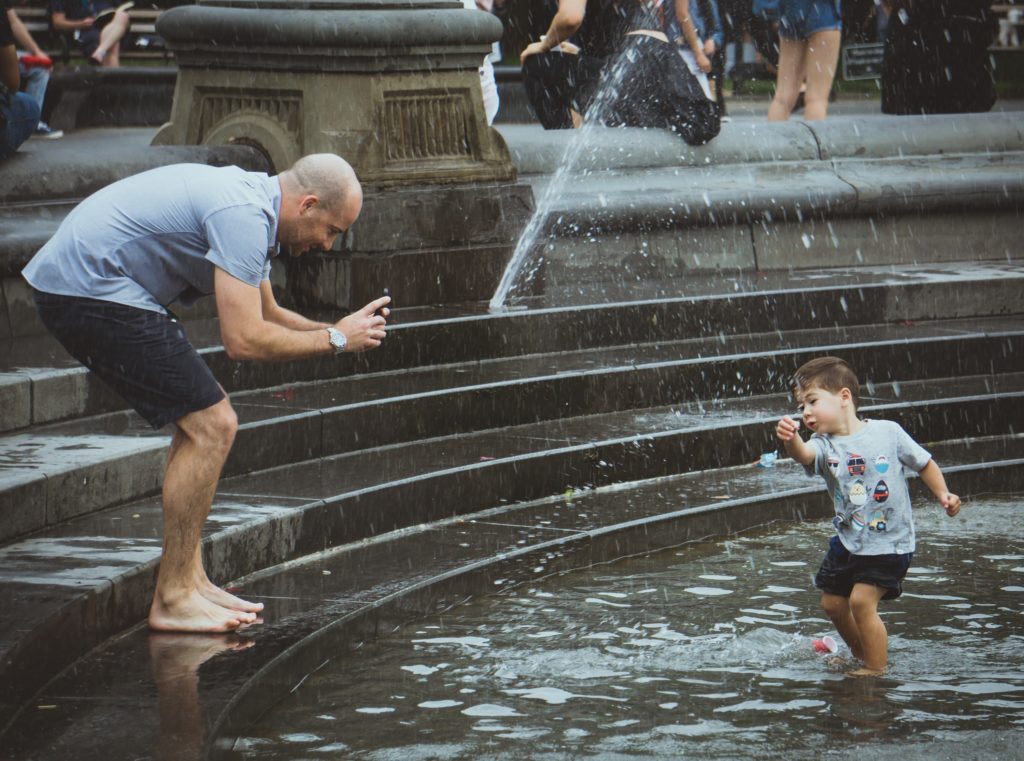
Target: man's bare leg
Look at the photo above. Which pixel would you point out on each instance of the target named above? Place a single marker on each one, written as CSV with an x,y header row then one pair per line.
x,y
874,639
219,595
201,445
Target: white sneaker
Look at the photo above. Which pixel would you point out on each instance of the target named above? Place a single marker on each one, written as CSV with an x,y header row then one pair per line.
x,y
46,132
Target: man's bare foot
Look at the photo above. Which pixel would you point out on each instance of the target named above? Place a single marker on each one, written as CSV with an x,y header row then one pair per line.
x,y
865,671
194,613
174,653
225,599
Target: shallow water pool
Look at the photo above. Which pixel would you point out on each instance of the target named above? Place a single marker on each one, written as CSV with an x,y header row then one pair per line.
x,y
700,651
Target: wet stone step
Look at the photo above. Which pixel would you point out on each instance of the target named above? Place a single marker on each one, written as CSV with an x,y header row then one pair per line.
x,y
41,384
34,482
267,518
319,607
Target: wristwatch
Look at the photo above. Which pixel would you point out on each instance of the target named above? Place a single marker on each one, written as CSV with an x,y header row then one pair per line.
x,y
338,340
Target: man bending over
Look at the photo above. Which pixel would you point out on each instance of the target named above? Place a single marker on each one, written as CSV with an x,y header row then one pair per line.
x,y
102,285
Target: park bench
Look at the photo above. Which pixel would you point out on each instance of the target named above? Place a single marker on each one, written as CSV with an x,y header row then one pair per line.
x,y
141,44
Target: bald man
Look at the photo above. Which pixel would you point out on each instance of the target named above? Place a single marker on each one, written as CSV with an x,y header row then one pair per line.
x,y
103,284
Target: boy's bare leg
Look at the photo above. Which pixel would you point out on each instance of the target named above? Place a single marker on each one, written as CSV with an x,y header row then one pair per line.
x,y
200,447
873,637
838,609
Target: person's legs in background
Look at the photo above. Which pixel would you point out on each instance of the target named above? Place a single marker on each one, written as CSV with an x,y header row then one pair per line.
x,y
820,69
108,52
19,117
34,80
789,78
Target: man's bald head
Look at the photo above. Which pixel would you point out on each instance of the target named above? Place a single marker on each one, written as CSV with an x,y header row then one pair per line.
x,y
320,199
324,175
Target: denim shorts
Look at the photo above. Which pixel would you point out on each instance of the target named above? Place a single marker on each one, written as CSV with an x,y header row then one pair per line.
x,y
799,19
841,569
143,355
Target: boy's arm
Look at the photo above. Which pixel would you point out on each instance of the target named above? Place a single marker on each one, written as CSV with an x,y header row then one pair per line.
x,y
932,477
787,431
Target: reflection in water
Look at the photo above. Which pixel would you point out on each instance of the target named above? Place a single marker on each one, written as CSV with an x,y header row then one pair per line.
x,y
176,659
702,650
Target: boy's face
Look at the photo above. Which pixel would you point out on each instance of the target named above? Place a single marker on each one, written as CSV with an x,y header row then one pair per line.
x,y
824,411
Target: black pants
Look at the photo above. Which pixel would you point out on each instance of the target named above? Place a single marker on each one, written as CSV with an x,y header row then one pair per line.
x,y
649,85
556,82
646,84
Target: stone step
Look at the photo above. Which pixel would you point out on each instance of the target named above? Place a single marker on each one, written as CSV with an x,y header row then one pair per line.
x,y
58,472
91,577
39,384
136,693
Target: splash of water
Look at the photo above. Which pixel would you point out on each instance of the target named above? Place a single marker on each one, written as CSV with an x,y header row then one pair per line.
x,y
524,264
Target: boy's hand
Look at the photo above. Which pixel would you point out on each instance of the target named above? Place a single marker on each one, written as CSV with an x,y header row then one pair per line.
x,y
787,428
951,503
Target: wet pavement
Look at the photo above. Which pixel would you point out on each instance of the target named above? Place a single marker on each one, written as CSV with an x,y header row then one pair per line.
x,y
704,649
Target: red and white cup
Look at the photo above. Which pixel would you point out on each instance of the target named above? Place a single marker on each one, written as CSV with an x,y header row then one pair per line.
x,y
826,645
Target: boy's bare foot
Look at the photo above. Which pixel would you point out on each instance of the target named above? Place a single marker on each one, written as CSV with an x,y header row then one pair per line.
x,y
194,613
865,671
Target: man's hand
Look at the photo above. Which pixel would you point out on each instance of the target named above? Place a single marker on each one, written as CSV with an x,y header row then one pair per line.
x,y
533,48
951,503
703,62
365,329
786,429
710,48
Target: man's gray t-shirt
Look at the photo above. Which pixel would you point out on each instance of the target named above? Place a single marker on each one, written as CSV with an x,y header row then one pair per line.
x,y
154,238
864,474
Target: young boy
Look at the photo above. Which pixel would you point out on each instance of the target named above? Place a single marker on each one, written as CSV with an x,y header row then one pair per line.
x,y
862,462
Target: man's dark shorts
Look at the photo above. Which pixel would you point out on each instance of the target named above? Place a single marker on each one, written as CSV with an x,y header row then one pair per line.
x,y
842,569
143,355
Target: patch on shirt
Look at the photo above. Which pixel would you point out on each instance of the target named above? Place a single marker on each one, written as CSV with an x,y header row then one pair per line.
x,y
881,493
858,493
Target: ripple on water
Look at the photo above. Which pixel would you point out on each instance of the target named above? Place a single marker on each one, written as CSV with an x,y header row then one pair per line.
x,y
595,662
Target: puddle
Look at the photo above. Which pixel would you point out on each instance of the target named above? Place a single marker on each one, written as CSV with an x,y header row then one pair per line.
x,y
700,650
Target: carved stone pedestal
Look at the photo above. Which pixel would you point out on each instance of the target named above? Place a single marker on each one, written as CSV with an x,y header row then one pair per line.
x,y
393,87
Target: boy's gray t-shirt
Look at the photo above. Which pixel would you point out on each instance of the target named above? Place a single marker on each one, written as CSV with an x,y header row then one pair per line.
x,y
864,474
154,238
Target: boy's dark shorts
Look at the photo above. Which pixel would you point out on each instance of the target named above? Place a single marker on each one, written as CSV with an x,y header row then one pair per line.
x,y
841,569
143,355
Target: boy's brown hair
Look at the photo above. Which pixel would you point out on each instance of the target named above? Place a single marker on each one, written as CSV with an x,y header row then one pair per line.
x,y
829,373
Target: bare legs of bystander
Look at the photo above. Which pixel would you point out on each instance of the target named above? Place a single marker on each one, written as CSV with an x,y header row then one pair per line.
x,y
812,60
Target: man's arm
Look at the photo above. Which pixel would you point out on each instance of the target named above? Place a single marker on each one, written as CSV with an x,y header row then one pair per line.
x,y
277,314
247,335
567,20
22,36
